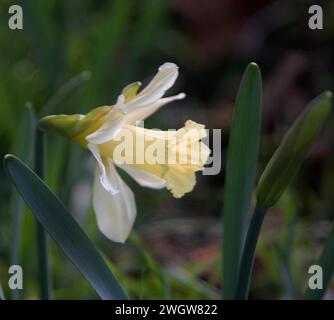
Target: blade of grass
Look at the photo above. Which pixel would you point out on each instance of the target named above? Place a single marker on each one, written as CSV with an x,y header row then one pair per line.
x,y
284,254
164,290
240,173
290,288
24,149
199,286
283,249
41,238
289,207
62,227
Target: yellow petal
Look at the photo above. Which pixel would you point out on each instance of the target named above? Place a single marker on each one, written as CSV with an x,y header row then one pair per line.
x,y
173,156
130,91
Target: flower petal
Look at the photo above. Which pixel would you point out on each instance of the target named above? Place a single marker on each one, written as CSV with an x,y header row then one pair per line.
x,y
141,113
144,178
130,91
115,213
108,184
115,121
162,81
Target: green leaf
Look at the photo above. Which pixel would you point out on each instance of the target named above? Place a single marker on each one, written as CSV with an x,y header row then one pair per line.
x,y
42,247
326,261
288,157
240,173
23,149
62,227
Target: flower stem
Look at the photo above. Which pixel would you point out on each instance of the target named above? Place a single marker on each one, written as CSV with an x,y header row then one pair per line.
x,y
248,254
41,238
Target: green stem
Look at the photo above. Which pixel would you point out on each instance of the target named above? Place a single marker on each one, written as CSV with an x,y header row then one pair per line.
x,y
248,254
42,243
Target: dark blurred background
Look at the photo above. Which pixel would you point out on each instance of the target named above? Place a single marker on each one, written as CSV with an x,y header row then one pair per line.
x,y
72,56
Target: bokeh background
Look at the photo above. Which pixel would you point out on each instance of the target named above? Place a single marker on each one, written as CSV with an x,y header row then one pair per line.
x,y
76,55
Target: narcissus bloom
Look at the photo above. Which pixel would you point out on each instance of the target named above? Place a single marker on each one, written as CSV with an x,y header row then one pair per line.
x,y
155,159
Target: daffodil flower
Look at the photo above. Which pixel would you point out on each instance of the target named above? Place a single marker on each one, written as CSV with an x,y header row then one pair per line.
x,y
100,131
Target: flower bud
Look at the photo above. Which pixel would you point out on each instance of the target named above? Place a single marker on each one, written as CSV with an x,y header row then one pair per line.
x,y
75,127
288,157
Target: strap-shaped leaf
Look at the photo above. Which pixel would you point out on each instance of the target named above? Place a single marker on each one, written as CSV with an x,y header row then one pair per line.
x,y
62,227
23,149
240,173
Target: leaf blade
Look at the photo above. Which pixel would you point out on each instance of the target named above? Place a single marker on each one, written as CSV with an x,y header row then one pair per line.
x,y
63,229
240,172
23,149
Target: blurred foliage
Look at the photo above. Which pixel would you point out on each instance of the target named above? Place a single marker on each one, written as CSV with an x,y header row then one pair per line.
x,y
121,41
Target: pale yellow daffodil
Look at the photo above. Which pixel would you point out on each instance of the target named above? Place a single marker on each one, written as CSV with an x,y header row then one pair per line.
x,y
155,159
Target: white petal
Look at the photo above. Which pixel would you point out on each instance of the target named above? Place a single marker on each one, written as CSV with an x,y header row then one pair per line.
x,y
144,112
144,178
166,77
115,213
108,184
114,123
162,81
